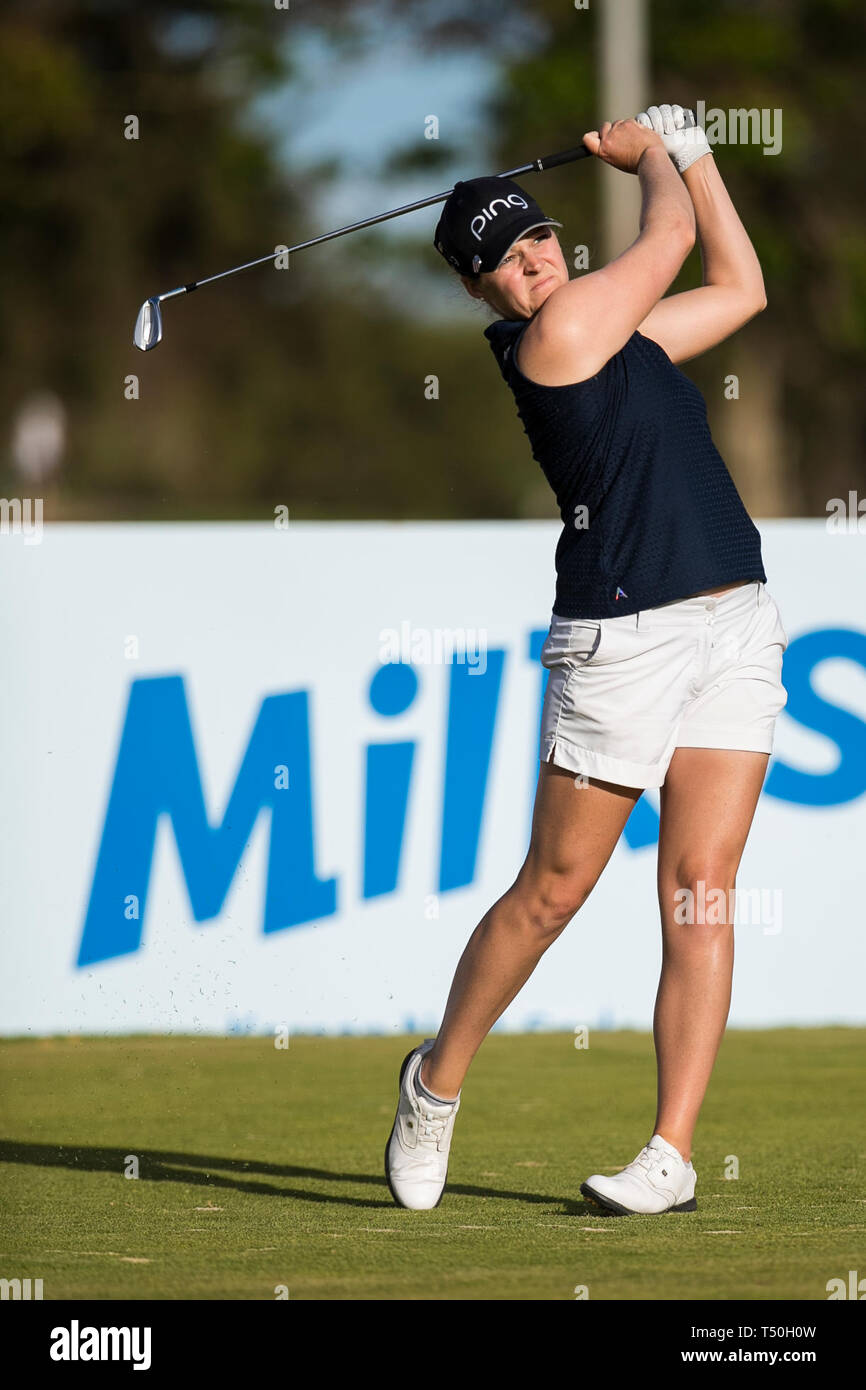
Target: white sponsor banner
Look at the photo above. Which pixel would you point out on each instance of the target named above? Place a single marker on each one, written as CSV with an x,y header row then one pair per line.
x,y
226,809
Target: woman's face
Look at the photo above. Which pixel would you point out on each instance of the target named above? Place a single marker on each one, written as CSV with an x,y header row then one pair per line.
x,y
533,268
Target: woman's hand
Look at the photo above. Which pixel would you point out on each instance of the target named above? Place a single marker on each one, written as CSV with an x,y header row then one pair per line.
x,y
684,141
622,144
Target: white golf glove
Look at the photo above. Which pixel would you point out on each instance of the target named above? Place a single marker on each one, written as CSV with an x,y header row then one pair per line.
x,y
684,141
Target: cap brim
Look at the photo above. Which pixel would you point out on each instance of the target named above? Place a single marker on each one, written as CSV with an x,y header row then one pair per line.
x,y
545,222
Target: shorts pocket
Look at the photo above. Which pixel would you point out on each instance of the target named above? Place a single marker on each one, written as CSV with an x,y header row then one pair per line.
x,y
779,634
571,644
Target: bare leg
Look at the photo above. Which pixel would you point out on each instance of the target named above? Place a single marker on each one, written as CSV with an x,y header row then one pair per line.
x,y
574,832
707,805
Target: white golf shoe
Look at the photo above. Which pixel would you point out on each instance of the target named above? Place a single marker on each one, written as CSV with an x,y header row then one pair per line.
x,y
657,1180
416,1155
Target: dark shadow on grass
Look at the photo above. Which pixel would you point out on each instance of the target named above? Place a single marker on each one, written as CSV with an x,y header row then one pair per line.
x,y
195,1169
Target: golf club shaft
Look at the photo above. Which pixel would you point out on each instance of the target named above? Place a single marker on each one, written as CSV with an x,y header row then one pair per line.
x,y
548,161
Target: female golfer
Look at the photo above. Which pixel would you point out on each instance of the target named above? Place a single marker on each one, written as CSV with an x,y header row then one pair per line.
x,y
665,648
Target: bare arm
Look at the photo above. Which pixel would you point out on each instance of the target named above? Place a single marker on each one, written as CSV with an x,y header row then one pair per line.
x,y
733,287
585,322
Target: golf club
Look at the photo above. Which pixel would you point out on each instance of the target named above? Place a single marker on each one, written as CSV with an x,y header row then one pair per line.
x,y
148,325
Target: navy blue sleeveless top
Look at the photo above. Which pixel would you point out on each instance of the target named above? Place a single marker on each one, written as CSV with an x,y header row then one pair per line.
x,y
650,512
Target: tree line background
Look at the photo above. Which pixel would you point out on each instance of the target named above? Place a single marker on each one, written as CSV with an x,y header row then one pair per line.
x,y
306,387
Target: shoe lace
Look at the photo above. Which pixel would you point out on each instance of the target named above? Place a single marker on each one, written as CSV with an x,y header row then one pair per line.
x,y
646,1159
431,1128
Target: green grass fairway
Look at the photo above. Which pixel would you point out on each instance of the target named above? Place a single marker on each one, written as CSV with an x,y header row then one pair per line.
x,y
262,1167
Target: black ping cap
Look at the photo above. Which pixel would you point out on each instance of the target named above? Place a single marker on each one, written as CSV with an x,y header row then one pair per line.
x,y
482,219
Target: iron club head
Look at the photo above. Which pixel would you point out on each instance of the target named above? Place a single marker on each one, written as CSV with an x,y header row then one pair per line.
x,y
148,326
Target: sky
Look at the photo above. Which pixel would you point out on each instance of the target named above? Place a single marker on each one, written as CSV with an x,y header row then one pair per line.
x,y
365,108
362,104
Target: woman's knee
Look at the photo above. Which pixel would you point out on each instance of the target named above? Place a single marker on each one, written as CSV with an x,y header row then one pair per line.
x,y
550,899
699,891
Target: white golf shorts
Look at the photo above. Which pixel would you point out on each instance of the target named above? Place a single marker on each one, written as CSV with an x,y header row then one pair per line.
x,y
623,693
